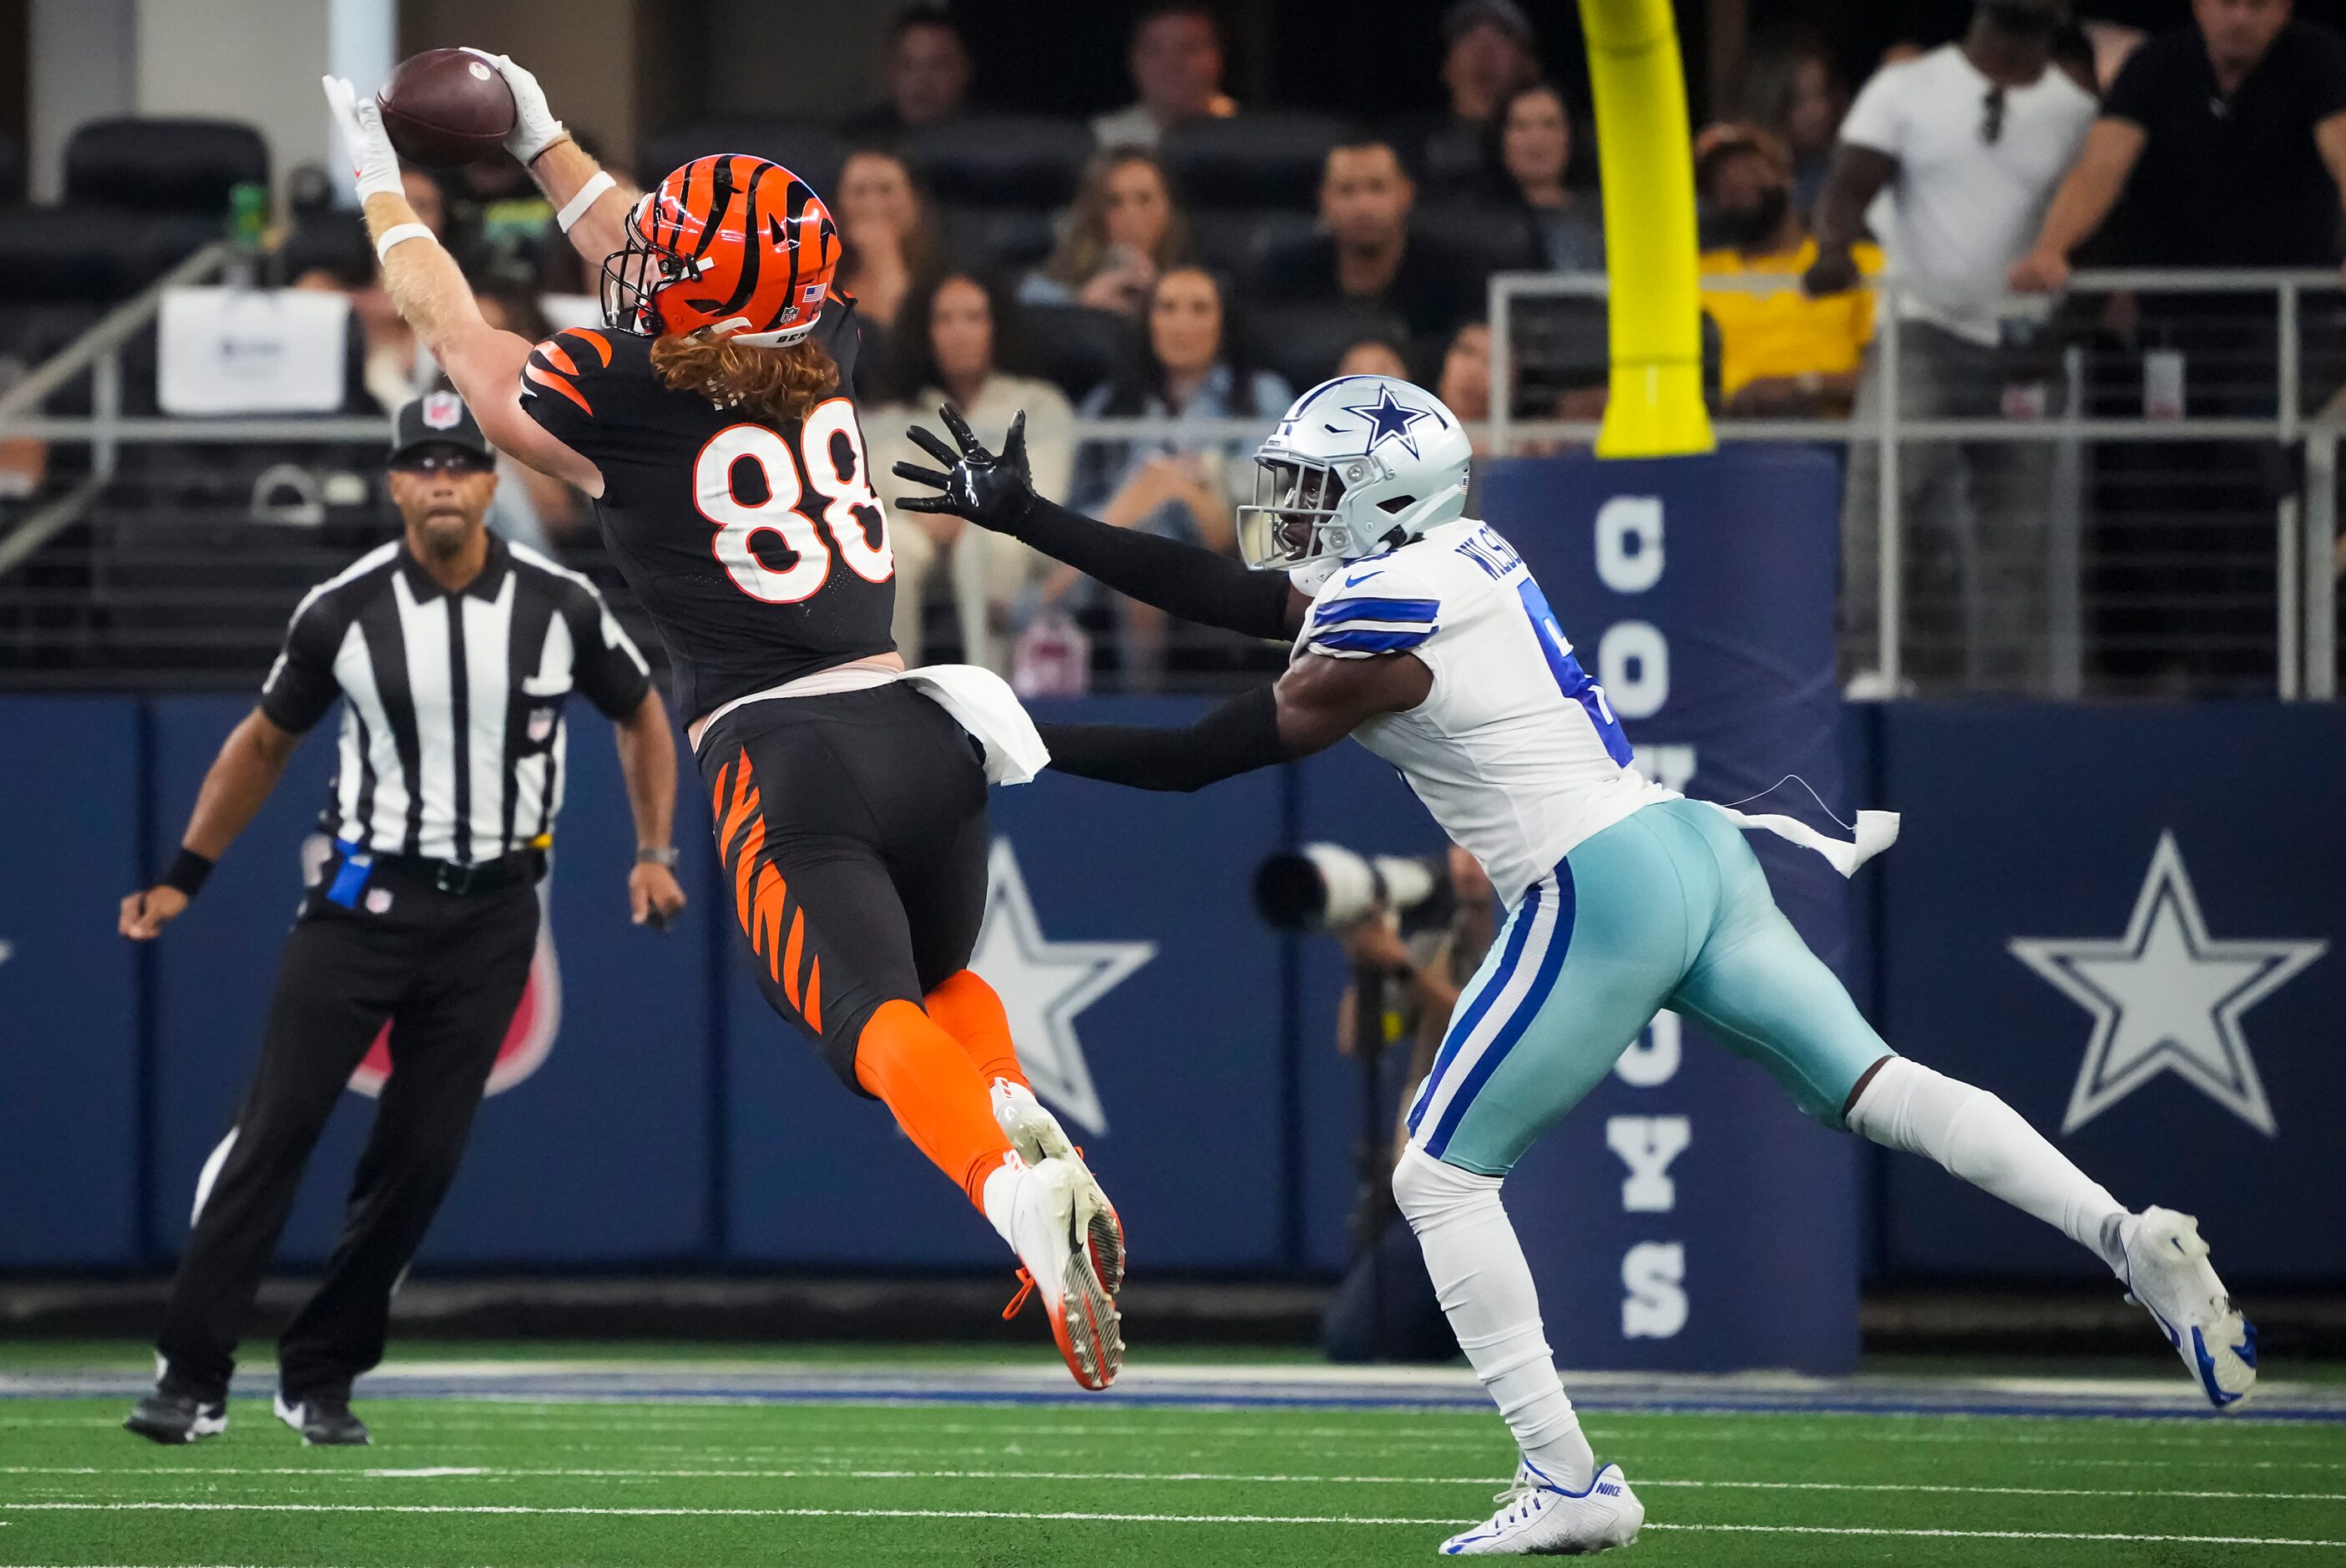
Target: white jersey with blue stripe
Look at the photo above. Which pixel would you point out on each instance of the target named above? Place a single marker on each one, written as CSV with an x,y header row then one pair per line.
x,y
1514,750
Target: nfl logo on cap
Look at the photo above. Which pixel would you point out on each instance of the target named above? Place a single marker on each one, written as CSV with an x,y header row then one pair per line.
x,y
442,411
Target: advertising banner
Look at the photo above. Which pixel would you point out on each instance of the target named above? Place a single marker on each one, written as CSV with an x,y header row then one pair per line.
x,y
1686,1215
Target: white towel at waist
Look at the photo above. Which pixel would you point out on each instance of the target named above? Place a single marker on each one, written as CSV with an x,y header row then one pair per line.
x,y
1876,832
983,702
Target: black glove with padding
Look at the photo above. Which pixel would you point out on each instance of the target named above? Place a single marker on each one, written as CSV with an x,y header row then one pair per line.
x,y
992,492
1179,578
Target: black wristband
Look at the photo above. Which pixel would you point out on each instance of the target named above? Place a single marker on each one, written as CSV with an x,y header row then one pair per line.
x,y
188,872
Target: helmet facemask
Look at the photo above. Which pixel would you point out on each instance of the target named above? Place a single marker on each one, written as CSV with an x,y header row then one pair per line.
x,y
1296,516
633,277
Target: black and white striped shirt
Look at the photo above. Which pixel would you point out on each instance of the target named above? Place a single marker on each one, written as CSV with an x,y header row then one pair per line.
x,y
453,735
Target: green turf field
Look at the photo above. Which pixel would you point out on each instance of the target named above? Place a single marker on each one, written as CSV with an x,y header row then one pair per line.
x,y
521,1482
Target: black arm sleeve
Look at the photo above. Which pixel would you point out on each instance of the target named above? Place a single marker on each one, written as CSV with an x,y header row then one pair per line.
x,y
1239,737
1180,579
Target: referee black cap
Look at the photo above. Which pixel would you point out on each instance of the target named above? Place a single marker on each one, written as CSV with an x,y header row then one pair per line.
x,y
437,419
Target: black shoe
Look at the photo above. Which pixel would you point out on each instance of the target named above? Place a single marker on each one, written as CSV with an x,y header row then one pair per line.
x,y
177,1418
324,1421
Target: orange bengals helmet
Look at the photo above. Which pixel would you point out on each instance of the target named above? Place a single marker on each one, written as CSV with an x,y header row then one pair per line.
x,y
734,246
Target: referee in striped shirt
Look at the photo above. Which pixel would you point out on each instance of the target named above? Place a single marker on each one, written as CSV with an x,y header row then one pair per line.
x,y
453,652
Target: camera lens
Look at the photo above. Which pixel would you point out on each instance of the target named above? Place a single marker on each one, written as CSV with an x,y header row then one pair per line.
x,y
1291,894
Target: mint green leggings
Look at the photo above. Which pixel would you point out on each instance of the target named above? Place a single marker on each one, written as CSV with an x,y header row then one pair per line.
x,y
1666,908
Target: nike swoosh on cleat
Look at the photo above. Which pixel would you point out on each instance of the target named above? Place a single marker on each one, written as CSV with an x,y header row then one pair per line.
x,y
2207,1371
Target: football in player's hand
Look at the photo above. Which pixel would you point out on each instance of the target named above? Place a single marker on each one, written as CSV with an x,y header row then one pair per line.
x,y
446,107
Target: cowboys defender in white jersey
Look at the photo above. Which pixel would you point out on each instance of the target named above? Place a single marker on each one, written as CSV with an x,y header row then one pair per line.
x,y
1418,632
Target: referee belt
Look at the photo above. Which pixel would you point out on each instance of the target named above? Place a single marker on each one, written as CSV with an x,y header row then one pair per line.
x,y
460,880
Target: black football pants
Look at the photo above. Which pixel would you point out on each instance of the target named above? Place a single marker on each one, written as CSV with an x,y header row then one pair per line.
x,y
448,972
852,830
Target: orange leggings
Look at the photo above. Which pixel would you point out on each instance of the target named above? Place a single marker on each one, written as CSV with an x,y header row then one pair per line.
x,y
932,1070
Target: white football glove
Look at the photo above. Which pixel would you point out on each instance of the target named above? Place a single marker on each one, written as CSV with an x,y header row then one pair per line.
x,y
364,139
535,126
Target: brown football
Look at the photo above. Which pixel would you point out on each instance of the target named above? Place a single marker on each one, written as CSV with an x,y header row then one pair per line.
x,y
445,108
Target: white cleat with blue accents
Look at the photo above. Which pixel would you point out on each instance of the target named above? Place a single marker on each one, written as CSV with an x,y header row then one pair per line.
x,y
2168,1273
1538,1518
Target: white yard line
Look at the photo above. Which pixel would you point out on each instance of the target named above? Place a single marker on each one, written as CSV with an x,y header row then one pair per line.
x,y
1086,1517
833,1473
1034,1515
1998,1534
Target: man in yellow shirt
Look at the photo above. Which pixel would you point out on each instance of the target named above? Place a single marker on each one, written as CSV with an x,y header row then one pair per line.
x,y
1783,354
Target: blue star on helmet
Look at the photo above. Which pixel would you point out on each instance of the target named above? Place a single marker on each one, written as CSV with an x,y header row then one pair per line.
x,y
1390,420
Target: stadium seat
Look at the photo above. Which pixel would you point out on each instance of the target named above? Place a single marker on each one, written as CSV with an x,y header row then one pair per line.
x,y
1251,161
1016,160
31,332
987,239
164,165
92,254
1497,239
203,588
331,241
1304,342
1232,242
1074,346
811,151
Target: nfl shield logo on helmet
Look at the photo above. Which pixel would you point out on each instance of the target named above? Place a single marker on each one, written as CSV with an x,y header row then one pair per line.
x,y
442,411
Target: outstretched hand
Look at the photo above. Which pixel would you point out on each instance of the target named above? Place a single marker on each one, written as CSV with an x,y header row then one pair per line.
x,y
535,126
373,164
993,492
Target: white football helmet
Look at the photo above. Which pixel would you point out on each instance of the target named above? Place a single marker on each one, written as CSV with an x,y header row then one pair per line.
x,y
1359,464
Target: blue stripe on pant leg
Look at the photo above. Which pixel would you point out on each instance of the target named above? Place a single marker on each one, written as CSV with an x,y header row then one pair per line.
x,y
1520,925
1551,964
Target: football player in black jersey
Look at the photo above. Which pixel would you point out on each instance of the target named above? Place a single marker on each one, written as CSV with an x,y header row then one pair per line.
x,y
711,424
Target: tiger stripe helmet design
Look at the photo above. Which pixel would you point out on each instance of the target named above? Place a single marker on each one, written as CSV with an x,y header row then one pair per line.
x,y
734,246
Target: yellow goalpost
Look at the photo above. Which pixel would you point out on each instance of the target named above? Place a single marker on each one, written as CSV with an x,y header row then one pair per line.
x,y
1645,159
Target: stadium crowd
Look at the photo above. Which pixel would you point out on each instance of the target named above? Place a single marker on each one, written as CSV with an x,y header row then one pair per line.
x,y
1192,258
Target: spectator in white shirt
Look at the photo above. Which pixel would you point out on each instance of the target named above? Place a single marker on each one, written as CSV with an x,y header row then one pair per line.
x,y
1177,66
1953,157
950,352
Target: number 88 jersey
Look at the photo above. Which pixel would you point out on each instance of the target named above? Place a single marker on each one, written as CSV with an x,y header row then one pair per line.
x,y
758,549
1515,751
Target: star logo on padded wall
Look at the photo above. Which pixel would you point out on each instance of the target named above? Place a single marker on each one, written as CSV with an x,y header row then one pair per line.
x,y
1043,985
1390,419
2168,998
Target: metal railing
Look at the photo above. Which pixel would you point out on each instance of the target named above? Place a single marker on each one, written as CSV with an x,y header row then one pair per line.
x,y
2305,515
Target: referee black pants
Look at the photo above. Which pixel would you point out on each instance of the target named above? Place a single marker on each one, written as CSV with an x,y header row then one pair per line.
x,y
447,972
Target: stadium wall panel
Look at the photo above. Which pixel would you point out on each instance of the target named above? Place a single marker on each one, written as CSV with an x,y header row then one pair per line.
x,y
70,1080
676,1123
2184,866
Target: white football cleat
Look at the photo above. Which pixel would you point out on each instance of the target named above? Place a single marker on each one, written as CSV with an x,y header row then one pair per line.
x,y
1038,1136
2168,1273
1538,1518
1052,1216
